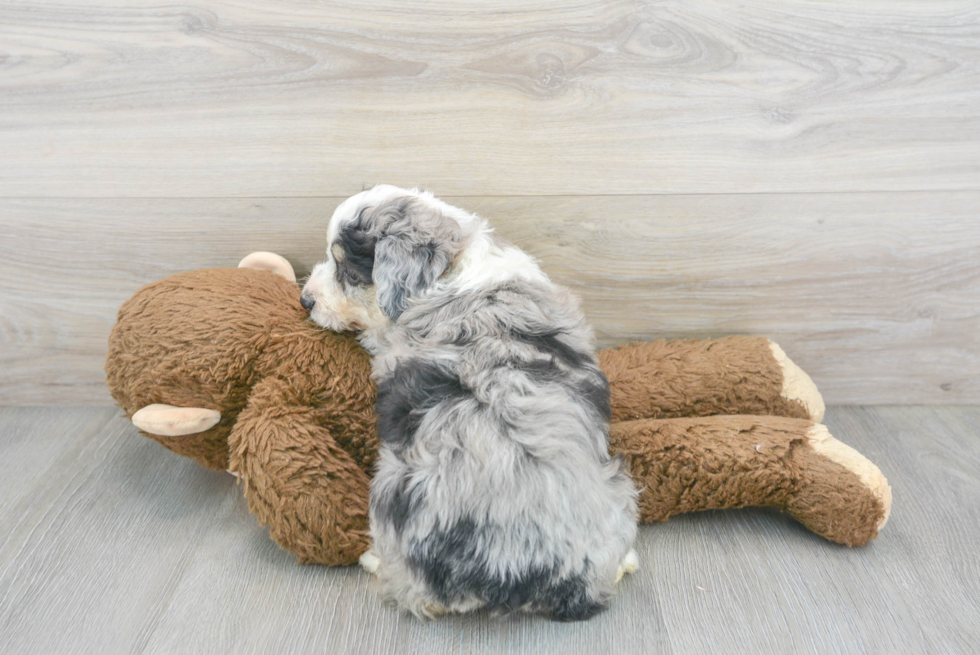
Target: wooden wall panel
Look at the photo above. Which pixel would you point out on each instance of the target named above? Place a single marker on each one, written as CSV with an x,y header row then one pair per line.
x,y
249,98
807,171
876,295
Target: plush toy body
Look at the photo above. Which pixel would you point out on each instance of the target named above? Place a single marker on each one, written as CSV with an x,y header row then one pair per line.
x,y
223,366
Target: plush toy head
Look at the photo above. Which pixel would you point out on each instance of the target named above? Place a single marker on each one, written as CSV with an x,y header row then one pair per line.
x,y
201,341
223,366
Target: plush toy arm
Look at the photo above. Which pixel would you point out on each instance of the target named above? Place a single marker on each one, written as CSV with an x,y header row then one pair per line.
x,y
733,375
308,490
692,464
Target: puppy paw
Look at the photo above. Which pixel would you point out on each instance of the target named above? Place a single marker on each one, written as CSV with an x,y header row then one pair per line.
x,y
369,562
171,421
629,564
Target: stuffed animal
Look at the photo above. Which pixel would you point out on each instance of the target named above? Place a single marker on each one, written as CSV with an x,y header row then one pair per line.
x,y
223,366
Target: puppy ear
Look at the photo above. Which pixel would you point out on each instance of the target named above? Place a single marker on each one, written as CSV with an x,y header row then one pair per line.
x,y
416,246
402,270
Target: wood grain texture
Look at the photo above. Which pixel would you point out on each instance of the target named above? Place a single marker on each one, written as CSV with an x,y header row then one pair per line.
x,y
88,556
876,295
108,543
249,98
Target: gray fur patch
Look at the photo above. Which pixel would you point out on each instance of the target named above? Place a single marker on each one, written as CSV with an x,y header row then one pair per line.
x,y
517,502
410,244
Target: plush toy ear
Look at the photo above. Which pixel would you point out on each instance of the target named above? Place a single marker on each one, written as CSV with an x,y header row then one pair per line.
x,y
416,246
269,261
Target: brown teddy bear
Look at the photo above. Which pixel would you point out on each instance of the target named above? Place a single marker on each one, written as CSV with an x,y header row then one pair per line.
x,y
223,366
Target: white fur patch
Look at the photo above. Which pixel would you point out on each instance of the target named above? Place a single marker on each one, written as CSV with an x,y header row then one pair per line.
x,y
369,562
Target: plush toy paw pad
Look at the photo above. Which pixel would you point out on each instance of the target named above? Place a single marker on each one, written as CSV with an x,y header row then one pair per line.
x,y
823,443
797,385
170,421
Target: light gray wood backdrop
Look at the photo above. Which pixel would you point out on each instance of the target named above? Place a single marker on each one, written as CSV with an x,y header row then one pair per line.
x,y
809,171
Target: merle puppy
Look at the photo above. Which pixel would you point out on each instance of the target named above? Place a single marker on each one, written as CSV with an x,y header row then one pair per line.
x,y
494,486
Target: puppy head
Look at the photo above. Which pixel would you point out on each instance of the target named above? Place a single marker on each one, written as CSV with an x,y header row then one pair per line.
x,y
384,246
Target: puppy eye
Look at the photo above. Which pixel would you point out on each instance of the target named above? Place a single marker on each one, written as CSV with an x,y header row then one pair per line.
x,y
338,252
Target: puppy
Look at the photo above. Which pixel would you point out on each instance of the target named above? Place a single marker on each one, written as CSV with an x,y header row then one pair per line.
x,y
494,486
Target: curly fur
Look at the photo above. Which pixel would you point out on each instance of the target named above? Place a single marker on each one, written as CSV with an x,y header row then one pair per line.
x,y
494,485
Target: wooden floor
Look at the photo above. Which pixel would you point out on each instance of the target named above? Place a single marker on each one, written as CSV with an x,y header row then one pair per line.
x,y
108,543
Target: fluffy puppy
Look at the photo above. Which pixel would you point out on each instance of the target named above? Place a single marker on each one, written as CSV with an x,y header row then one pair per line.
x,y
494,486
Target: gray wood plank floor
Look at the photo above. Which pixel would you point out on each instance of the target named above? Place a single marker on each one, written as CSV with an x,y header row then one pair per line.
x,y
110,544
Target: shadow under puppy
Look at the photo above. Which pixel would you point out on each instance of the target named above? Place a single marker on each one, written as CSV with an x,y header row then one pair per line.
x,y
494,486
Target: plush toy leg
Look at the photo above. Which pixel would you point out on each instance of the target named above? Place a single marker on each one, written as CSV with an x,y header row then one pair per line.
x,y
687,465
733,375
309,491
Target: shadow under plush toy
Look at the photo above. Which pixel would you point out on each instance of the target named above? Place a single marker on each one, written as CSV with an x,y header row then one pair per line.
x,y
223,366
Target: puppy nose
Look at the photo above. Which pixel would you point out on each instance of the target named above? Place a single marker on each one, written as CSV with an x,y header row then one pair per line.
x,y
307,302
